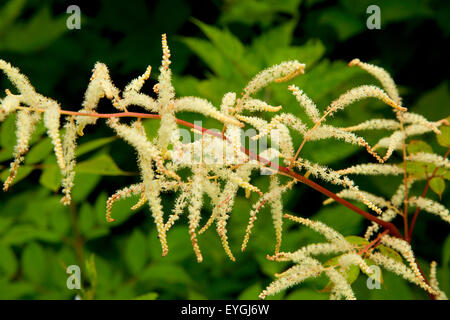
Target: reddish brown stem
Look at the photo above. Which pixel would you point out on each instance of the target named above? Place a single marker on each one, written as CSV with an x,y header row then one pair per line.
x,y
374,243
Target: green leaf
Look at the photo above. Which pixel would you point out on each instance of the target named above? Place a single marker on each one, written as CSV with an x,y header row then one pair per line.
x,y
344,23
309,53
38,32
16,289
18,234
306,294
39,152
437,185
86,220
390,253
438,96
419,169
34,262
277,37
352,273
147,296
51,177
209,54
415,146
444,138
251,293
8,133
9,12
84,183
101,165
93,145
230,47
255,11
8,262
166,273
357,240
228,44
178,241
136,252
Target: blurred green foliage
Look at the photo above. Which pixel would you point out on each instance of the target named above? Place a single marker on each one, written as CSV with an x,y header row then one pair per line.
x,y
216,47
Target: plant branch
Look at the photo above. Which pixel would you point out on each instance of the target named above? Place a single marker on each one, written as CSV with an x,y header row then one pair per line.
x,y
424,193
279,169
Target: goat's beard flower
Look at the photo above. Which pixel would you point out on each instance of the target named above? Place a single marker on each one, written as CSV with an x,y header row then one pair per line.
x,y
224,165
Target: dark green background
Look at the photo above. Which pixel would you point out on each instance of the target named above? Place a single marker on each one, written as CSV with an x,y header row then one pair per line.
x,y
217,46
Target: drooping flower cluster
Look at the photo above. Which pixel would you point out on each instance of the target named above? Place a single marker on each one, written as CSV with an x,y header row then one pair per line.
x,y
220,165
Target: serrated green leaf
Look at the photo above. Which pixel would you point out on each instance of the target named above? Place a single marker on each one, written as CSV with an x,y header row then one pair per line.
x,y
36,33
415,146
230,47
209,54
437,185
255,11
309,53
136,252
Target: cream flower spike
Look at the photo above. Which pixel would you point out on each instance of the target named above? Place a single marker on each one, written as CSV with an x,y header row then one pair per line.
x,y
431,206
124,193
381,75
131,94
287,119
358,93
203,106
256,105
430,158
69,145
408,117
26,123
352,195
372,169
278,73
323,229
434,282
8,105
375,124
100,85
310,107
